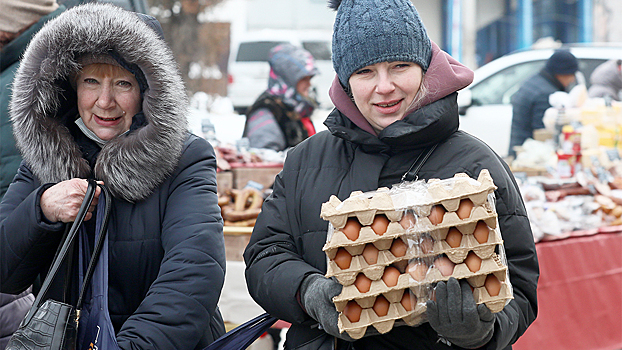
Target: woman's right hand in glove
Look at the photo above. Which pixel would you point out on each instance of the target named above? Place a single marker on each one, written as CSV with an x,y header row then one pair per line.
x,y
316,294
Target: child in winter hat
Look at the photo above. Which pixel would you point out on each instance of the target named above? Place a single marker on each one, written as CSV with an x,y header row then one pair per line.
x,y
371,31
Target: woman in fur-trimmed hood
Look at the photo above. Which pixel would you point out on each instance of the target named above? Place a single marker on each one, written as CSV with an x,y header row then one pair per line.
x,y
395,119
99,95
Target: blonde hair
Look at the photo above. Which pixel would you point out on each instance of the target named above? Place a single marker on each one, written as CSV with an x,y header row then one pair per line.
x,y
104,69
421,94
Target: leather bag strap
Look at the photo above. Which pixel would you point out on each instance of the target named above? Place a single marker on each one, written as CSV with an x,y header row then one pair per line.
x,y
62,253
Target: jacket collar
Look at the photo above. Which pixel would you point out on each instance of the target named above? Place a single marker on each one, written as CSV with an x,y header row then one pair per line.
x,y
428,125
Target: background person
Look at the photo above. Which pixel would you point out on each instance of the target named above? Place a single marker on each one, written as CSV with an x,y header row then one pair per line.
x,y
281,116
99,95
19,21
606,80
532,99
395,97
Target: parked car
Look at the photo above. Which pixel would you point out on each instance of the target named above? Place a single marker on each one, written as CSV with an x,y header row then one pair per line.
x,y
248,63
485,109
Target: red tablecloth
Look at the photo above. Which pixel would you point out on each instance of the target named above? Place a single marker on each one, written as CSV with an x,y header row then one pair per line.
x,y
579,295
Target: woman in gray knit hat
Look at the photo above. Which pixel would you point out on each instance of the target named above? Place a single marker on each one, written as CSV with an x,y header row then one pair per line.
x,y
98,95
280,118
395,119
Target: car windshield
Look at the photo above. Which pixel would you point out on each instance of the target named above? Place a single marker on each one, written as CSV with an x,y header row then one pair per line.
x,y
498,88
255,51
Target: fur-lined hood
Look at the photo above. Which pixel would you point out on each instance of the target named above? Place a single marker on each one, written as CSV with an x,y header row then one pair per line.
x,y
133,165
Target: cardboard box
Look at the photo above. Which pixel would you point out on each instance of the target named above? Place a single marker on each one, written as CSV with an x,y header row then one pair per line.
x,y
224,180
263,174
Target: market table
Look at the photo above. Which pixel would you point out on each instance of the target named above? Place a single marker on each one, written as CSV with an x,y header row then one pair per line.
x,y
579,293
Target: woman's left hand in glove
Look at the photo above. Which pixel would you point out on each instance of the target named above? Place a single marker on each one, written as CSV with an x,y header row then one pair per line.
x,y
455,316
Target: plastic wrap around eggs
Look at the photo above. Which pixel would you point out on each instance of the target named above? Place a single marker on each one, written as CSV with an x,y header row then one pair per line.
x,y
390,247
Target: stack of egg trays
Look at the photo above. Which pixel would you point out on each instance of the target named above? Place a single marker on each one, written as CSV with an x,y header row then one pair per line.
x,y
365,207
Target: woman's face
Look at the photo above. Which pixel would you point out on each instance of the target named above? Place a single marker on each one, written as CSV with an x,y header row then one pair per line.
x,y
384,91
108,98
303,86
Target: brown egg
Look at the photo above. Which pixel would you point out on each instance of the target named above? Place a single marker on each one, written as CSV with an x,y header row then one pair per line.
x,y
481,232
352,228
353,311
398,248
436,214
380,224
426,244
370,254
362,283
492,285
464,210
408,300
381,306
444,265
342,258
473,262
390,276
454,237
408,220
418,270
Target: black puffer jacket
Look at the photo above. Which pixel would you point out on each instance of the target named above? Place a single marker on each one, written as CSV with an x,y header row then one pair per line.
x,y
166,248
286,245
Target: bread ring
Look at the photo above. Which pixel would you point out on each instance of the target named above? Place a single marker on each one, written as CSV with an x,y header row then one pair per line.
x,y
230,214
247,198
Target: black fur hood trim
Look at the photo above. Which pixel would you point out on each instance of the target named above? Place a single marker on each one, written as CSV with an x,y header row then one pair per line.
x,y
133,165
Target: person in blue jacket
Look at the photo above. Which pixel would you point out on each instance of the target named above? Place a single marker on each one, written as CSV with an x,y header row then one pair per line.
x,y
99,95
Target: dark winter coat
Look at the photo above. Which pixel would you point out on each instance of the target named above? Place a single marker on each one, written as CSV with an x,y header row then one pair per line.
x,y
13,308
166,247
286,245
528,106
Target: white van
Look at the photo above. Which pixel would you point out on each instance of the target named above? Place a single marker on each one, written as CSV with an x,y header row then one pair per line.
x,y
248,63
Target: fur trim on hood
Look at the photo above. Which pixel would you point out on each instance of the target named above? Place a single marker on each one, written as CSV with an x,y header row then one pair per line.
x,y
444,77
133,165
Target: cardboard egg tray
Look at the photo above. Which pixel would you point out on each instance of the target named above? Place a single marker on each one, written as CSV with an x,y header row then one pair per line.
x,y
421,289
394,204
383,324
396,231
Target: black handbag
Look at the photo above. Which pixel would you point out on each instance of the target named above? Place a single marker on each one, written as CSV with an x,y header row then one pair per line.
x,y
52,324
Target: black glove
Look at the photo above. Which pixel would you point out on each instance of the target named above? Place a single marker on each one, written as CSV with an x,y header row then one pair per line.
x,y
455,316
316,296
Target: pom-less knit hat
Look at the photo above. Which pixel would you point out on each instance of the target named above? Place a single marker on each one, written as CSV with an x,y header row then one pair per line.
x,y
371,31
562,62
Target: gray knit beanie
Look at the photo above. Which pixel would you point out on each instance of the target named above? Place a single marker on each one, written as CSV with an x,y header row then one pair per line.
x,y
371,31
